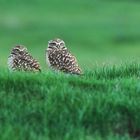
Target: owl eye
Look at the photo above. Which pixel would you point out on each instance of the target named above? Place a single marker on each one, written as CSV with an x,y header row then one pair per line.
x,y
62,44
53,44
16,50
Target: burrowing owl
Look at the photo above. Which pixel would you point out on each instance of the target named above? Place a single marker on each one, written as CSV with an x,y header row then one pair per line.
x,y
21,60
59,58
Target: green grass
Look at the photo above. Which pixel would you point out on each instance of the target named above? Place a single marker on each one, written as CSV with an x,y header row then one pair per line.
x,y
104,103
101,104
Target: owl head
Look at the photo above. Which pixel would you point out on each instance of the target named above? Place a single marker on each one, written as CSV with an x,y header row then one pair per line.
x,y
19,50
57,44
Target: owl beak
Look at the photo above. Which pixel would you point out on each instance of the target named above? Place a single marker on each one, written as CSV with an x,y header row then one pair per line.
x,y
58,45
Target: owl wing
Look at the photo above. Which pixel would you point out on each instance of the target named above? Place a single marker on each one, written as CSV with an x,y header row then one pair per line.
x,y
71,64
64,61
29,63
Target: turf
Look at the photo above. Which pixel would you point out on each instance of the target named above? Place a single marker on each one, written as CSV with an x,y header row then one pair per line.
x,y
101,104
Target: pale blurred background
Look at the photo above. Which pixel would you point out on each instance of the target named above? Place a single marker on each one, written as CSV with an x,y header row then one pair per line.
x,y
97,32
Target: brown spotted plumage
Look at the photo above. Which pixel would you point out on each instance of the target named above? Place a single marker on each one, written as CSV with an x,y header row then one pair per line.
x,y
59,58
21,60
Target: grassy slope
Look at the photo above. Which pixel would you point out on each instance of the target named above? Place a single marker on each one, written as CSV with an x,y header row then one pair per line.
x,y
105,102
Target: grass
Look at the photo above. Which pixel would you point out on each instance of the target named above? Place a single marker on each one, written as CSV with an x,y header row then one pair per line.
x,y
102,104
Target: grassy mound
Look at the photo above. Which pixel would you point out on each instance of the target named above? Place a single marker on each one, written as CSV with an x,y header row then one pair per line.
x,y
102,104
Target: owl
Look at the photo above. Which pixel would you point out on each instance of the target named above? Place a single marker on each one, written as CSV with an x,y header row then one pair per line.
x,y
59,58
21,60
